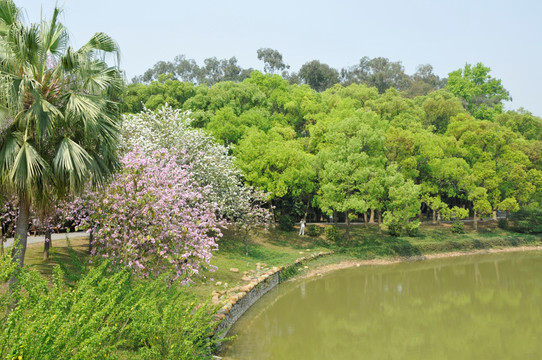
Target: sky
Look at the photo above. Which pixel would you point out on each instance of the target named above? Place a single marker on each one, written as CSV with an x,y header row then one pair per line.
x,y
504,35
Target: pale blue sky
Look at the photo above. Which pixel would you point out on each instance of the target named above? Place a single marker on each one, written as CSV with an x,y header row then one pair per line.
x,y
504,35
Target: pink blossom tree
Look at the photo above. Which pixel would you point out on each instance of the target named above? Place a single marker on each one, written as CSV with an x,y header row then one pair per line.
x,y
152,218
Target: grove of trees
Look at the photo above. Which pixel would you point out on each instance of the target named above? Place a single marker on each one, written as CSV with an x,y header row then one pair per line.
x,y
380,145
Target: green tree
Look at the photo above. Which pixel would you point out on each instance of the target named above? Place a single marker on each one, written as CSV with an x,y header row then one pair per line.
x,y
483,94
379,72
352,151
59,111
318,76
272,60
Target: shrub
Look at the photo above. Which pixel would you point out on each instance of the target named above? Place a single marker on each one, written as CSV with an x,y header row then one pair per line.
x,y
332,234
286,223
412,228
458,227
104,314
502,223
528,221
394,229
313,230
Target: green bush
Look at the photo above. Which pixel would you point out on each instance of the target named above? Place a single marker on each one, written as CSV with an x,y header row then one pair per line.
x,y
286,223
394,229
528,221
104,314
332,234
313,230
502,223
458,227
412,228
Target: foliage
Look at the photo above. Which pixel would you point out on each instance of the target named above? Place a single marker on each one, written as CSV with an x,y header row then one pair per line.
x,y
105,313
318,76
528,221
153,219
458,227
379,72
350,149
211,72
286,223
272,60
208,162
332,234
59,112
412,228
313,230
482,93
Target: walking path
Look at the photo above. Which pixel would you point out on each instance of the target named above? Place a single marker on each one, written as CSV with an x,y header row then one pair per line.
x,y
41,238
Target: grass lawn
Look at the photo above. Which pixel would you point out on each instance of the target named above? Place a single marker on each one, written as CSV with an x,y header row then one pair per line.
x,y
278,248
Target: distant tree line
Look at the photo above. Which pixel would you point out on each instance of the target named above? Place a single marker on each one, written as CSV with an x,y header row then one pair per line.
x,y
378,72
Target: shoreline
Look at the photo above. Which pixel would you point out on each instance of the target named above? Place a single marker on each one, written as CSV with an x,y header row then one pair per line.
x,y
345,264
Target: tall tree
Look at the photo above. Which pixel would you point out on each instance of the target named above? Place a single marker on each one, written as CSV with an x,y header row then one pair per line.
x,y
59,111
352,152
318,76
483,94
272,60
379,72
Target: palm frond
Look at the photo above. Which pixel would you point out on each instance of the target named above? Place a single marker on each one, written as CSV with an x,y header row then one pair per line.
x,y
9,14
27,168
54,34
11,145
72,163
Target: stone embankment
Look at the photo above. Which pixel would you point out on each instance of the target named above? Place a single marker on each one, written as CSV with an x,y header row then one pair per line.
x,y
237,300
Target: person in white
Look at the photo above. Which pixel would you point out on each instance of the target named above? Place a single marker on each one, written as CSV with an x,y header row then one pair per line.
x,y
302,227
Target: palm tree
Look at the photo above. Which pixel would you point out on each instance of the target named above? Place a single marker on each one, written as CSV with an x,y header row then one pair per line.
x,y
59,118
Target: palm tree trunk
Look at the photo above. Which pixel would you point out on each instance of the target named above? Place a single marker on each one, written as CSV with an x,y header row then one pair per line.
x,y
47,244
22,230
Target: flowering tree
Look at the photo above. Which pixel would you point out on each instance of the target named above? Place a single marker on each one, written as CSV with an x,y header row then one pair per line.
x,y
153,219
209,162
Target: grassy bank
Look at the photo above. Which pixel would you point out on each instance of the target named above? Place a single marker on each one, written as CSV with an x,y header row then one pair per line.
x,y
279,248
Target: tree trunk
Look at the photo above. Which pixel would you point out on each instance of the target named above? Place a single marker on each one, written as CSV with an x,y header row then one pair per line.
x,y
495,215
365,218
90,240
372,217
22,230
47,244
379,223
475,221
347,226
335,218
434,217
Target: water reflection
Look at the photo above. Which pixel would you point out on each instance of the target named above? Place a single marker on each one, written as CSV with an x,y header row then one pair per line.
x,y
477,307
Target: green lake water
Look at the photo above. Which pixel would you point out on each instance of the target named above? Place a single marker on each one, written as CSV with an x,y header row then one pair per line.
x,y
474,307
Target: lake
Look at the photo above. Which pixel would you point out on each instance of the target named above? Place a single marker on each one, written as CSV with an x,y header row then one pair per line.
x,y
471,307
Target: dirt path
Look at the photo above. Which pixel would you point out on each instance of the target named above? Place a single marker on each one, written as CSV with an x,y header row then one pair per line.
x,y
321,270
